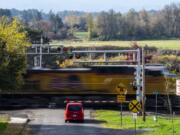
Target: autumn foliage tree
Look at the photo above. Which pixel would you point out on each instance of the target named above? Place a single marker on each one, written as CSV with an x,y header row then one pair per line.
x,y
13,42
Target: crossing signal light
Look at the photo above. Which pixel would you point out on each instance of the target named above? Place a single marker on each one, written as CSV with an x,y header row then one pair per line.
x,y
78,56
65,49
58,49
70,56
138,78
129,56
148,59
134,86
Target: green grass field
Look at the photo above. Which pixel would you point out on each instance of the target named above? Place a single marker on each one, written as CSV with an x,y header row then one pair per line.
x,y
11,129
81,35
162,44
3,122
162,127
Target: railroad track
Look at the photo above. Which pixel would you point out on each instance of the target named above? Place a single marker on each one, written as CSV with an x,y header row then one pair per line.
x,y
91,101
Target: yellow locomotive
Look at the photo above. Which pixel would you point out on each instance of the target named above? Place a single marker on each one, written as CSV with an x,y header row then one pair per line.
x,y
97,79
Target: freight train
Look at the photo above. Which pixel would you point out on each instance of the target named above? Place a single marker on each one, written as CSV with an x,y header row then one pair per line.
x,y
97,80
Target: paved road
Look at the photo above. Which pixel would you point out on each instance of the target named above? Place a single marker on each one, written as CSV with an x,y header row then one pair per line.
x,y
51,122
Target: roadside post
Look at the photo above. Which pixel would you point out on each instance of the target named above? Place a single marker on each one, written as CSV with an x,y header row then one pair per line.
x,y
143,87
156,97
121,98
135,107
134,119
40,52
173,131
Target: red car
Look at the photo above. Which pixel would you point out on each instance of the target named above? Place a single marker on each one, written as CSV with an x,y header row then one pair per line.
x,y
74,112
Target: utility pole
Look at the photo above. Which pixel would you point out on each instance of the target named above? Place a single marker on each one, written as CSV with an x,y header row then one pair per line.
x,y
143,87
138,76
40,52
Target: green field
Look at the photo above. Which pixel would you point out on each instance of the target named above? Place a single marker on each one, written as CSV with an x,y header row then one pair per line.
x,y
163,44
3,122
11,129
162,127
81,35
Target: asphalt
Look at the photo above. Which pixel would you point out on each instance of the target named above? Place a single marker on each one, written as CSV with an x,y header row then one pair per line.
x,y
51,122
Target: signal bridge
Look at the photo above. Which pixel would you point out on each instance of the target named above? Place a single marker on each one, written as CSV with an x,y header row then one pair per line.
x,y
38,51
105,54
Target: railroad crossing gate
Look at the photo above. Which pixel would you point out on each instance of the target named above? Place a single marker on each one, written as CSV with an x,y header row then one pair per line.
x,y
134,106
121,98
178,87
121,89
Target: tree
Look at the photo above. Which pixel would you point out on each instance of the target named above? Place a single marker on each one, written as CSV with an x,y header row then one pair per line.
x,y
31,17
13,42
82,22
144,24
71,21
132,20
5,12
90,26
35,36
107,26
171,15
56,22
102,26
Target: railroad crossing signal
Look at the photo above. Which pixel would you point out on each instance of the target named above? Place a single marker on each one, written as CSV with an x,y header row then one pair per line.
x,y
121,98
138,76
121,89
134,106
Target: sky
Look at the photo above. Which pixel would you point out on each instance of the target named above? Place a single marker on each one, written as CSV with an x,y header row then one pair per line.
x,y
85,5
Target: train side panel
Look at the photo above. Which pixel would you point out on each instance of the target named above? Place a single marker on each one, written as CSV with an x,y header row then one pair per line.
x,y
90,83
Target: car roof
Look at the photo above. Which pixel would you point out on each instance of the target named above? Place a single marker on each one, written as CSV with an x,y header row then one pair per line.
x,y
74,103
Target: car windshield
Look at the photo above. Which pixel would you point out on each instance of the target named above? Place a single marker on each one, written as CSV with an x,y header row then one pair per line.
x,y
74,108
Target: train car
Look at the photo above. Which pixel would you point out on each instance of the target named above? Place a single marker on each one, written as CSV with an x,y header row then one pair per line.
x,y
96,80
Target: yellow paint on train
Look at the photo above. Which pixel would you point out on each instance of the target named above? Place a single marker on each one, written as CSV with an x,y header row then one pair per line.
x,y
91,83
